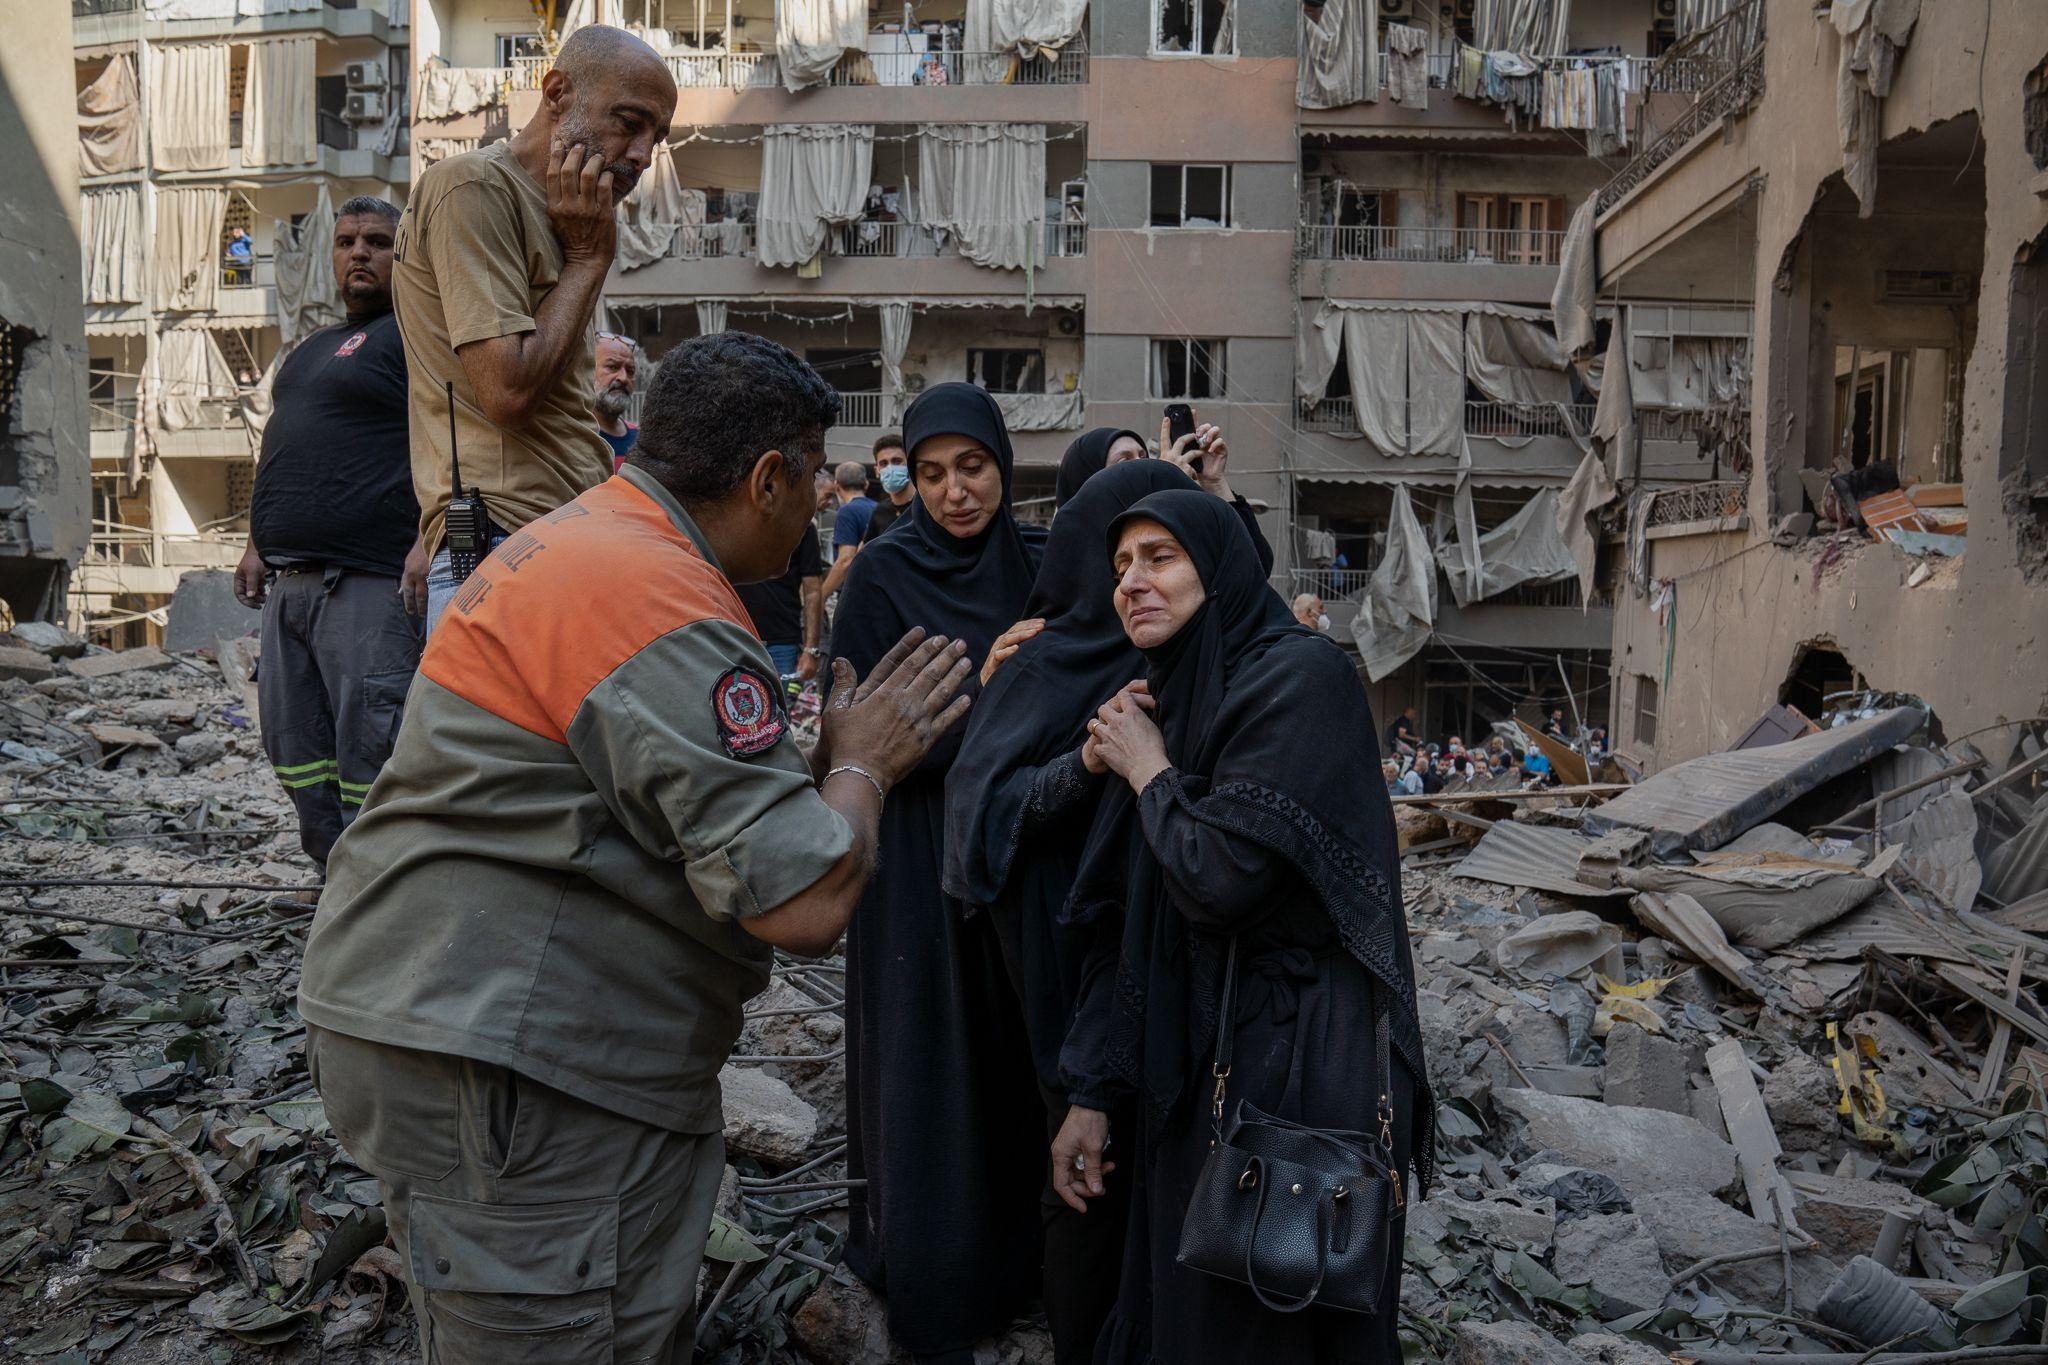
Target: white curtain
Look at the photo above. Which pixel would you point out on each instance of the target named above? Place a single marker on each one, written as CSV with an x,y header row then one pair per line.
x,y
813,177
985,184
110,121
1400,601
1319,336
1021,28
307,296
257,404
1590,490
1040,411
187,371
812,35
277,112
446,91
649,216
1407,380
895,318
1513,360
581,12
112,244
710,316
188,106
1614,420
1529,28
184,250
1338,56
1578,280
1526,548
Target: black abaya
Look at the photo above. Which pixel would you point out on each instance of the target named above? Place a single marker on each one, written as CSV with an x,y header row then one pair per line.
x,y
1018,808
1270,825
943,1120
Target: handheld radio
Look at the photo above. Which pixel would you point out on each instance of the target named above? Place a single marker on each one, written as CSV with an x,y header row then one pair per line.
x,y
466,523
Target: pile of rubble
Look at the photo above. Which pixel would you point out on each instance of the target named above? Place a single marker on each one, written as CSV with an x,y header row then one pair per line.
x,y
1746,1058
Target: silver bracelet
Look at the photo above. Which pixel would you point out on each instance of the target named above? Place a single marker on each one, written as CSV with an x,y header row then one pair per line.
x,y
875,782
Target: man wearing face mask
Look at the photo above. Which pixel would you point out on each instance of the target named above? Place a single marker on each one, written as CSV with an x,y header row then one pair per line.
x,y
1308,609
500,258
892,468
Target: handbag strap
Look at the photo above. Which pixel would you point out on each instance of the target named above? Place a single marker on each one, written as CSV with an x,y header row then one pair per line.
x,y
1383,1059
1251,1243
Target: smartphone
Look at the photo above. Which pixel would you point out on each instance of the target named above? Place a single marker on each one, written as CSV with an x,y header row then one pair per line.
x,y
1180,421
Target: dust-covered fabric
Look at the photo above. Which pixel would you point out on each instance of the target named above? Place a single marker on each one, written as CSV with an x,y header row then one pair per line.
x,y
187,372
1530,28
446,91
1408,65
111,243
1337,57
184,250
277,111
984,183
649,216
1590,490
1513,360
1873,34
303,265
1040,411
110,121
1400,601
812,35
1578,280
814,176
1526,548
188,106
1407,379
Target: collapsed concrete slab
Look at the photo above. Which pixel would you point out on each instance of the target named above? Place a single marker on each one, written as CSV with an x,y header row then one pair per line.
x,y
1643,1149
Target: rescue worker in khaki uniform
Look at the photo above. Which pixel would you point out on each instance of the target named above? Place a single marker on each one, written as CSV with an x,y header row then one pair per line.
x,y
537,937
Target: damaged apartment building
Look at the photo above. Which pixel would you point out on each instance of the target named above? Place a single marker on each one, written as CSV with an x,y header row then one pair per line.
x,y
43,498
1347,262
199,119
1871,178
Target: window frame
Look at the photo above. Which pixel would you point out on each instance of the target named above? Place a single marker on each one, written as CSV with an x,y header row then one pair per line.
x,y
1645,686
1195,11
1032,353
1216,365
1222,168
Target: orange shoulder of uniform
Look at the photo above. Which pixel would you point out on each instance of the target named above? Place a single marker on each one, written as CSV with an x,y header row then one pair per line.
x,y
566,600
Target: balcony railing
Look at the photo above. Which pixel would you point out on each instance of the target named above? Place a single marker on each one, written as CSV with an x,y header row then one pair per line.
x,y
862,409
1693,502
756,70
257,273
1438,245
1338,585
1329,414
1513,421
86,9
716,241
1722,66
1498,420
118,545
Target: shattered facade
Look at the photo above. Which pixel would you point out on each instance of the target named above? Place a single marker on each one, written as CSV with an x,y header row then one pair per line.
x,y
196,118
44,510
1889,225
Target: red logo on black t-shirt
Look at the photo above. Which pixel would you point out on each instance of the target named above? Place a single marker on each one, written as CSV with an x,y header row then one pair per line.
x,y
350,346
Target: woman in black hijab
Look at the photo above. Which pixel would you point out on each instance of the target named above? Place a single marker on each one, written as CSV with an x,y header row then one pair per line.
x,y
941,1114
1090,454
1245,803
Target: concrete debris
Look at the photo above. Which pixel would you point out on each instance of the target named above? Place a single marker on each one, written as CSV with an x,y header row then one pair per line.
x,y
764,1118
1508,1343
105,664
1614,1255
1751,1014
1643,1149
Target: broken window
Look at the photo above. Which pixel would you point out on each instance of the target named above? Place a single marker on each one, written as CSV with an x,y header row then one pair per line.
x,y
1819,672
847,369
1645,730
1187,368
1900,407
510,45
1193,26
1006,369
2035,114
2023,462
1191,196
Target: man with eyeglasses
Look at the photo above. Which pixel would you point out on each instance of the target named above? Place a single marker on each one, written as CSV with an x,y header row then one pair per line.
x,y
500,259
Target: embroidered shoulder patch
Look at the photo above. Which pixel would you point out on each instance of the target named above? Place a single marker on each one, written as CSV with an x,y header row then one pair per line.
x,y
749,710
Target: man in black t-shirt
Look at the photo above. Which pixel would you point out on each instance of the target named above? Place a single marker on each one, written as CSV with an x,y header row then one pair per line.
x,y
789,612
334,529
892,469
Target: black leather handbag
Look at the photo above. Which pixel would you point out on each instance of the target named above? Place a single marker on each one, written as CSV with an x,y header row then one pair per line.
x,y
1300,1215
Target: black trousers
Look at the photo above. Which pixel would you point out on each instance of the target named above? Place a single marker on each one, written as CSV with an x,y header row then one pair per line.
x,y
339,652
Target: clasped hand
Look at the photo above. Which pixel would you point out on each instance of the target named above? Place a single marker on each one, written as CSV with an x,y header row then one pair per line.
x,y
1123,740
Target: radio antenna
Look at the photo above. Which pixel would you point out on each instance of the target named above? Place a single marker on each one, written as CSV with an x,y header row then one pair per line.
x,y
454,465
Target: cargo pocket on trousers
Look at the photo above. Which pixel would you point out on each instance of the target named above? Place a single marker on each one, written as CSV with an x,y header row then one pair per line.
x,y
383,709
517,1284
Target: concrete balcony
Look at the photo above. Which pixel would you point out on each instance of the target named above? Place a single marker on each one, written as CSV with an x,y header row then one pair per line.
x,y
884,260
1530,447
121,21
218,434
1497,265
1528,616
865,415
134,559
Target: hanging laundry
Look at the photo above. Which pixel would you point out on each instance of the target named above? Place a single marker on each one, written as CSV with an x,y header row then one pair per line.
x,y
1408,65
1470,75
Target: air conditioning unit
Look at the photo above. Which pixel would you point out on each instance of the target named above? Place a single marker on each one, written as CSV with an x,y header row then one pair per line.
x,y
1926,286
364,106
367,75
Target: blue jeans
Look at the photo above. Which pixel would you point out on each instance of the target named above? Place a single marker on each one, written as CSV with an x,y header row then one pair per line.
x,y
786,658
441,584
